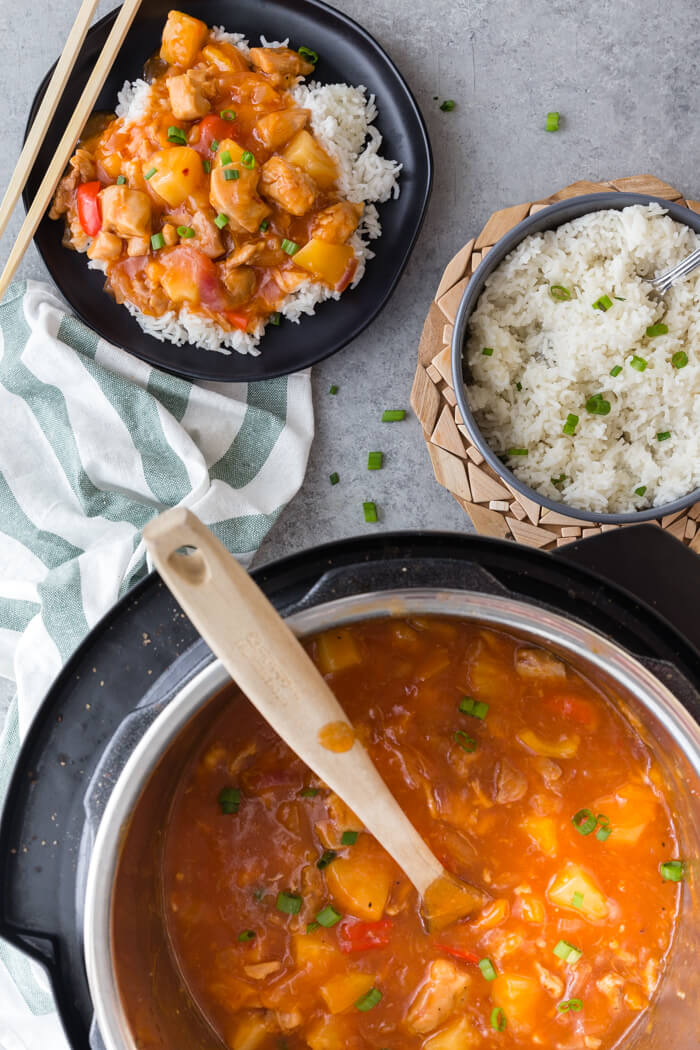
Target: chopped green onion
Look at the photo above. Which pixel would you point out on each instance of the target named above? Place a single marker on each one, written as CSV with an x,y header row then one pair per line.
x,y
325,859
328,916
246,935
657,329
679,359
149,174
375,460
221,220
289,903
603,303
247,159
640,491
558,482
230,800
370,511
597,405
333,389
615,371
570,425
577,899
228,114
309,792
552,123
465,741
663,435
567,952
488,969
121,180
308,53
672,870
276,318
369,1001
311,926
264,225
177,135
559,292
349,838
620,298
334,478
214,145
487,351
290,247
570,1004
604,830
584,821
157,241
518,386
185,231
206,164
516,452
639,363
393,415
477,708
226,157
498,1019
448,105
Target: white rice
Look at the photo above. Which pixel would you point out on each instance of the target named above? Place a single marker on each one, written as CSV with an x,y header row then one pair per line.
x,y
561,354
342,119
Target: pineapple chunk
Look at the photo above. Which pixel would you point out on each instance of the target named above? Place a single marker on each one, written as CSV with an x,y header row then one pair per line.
x,y
361,882
331,1033
304,152
330,263
313,953
251,1030
459,1035
178,174
336,650
520,998
629,810
343,991
566,747
571,880
225,57
182,38
543,832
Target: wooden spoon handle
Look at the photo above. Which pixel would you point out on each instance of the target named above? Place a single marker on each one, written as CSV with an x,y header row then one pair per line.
x,y
273,670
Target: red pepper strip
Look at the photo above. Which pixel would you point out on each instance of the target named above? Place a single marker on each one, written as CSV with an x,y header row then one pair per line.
x,y
212,129
237,320
459,953
355,936
89,208
573,707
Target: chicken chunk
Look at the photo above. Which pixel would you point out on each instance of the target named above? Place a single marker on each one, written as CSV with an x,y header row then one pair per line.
x,y
337,223
281,64
239,280
290,187
510,784
126,212
552,984
106,247
611,986
437,997
207,235
137,246
238,199
274,129
536,663
187,100
82,169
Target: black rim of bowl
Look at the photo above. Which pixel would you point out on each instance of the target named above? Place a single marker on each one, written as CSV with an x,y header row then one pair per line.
x,y
549,218
407,130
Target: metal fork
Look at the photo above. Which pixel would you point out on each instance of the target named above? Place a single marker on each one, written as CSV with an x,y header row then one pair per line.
x,y
663,281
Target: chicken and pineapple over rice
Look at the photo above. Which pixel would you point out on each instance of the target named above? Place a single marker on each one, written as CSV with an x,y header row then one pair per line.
x,y
227,192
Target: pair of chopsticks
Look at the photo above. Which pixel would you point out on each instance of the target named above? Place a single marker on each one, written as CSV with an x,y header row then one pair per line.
x,y
71,135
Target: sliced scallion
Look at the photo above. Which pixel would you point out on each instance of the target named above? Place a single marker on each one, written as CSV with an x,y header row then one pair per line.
x,y
177,135
604,830
498,1019
225,157
393,415
615,371
214,145
334,478
375,460
570,1004
559,292
477,708
246,935
328,916
247,159
309,792
597,405
552,122
640,491
221,220
228,114
639,363
264,225
679,359
289,247
229,800
369,1001
672,870
465,741
150,173
488,969
121,180
306,52
558,482
333,389
570,425
516,452
584,821
604,302
657,329
206,164
487,351
663,435
185,231
577,899
289,903
157,241
369,510
349,838
276,318
325,859
448,105
568,952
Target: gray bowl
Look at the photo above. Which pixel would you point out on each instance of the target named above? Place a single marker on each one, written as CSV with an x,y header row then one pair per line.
x,y
548,219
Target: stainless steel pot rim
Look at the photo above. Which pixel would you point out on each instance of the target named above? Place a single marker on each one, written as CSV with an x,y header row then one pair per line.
x,y
541,625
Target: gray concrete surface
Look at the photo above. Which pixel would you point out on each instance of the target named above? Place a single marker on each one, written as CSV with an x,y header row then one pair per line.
x,y
624,76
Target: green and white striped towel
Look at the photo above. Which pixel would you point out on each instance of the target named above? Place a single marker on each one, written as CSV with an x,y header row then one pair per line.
x,y
93,444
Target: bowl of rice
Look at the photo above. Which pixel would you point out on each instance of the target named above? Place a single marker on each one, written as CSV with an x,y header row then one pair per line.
x,y
580,384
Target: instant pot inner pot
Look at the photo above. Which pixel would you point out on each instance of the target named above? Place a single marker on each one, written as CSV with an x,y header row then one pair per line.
x,y
125,905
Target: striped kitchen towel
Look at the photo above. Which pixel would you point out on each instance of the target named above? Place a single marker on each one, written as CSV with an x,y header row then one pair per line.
x,y
93,444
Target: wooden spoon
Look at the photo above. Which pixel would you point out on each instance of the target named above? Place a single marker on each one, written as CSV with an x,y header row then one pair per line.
x,y
276,674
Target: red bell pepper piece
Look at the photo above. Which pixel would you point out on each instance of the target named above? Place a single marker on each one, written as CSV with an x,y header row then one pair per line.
x,y
89,208
574,708
459,953
237,320
356,936
212,129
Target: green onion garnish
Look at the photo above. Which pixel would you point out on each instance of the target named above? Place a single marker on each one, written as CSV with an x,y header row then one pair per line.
x,y
328,916
657,329
518,386
214,145
597,405
370,512
276,318
248,160
663,435
149,174
375,460
325,859
334,478
640,491
465,741
308,53
552,122
226,157
498,1019
604,830
558,482
177,135
639,363
290,247
393,415
615,371
228,114
230,800
264,225
516,452
121,180
349,838
679,359
570,1004
620,298
477,708
567,952
157,241
206,164
448,105
369,1001
672,870
333,389
559,292
603,303
309,792
488,969
570,425
311,926
185,231
584,821
221,220
289,903
487,351
246,935
577,899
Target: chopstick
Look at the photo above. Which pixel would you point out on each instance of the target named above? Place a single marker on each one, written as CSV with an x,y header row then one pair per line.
x,y
52,97
60,159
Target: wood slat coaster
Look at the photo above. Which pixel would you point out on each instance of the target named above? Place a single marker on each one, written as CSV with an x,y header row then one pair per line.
x,y
495,508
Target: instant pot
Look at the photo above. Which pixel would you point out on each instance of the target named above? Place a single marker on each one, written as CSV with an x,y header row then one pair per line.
x,y
622,604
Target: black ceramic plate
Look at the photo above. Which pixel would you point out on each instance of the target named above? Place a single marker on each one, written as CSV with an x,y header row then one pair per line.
x,y
347,53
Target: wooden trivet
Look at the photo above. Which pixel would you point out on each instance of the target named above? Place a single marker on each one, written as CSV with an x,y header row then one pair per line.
x,y
494,507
